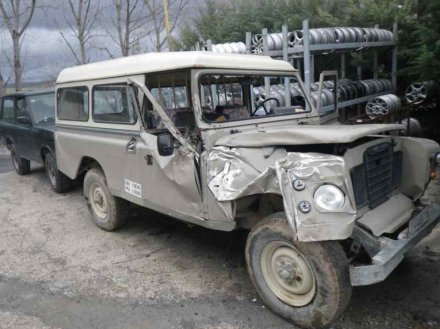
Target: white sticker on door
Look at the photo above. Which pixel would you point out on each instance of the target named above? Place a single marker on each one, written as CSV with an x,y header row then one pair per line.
x,y
133,188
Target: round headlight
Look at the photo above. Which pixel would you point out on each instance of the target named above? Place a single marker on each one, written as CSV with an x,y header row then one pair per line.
x,y
437,159
329,197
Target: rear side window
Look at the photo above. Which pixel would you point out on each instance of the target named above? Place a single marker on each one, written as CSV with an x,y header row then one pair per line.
x,y
113,104
7,113
73,104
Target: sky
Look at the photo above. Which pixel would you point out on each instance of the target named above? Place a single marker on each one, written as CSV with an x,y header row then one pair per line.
x,y
45,53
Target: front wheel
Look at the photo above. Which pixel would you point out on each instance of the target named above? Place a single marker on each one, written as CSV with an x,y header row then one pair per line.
x,y
59,182
305,282
108,212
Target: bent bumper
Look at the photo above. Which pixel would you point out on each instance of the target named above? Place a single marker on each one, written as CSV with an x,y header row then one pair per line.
x,y
392,251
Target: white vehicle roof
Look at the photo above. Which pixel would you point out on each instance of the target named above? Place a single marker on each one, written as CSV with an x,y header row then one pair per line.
x,y
156,62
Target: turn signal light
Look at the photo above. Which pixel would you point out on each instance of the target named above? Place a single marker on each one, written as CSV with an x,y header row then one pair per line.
x,y
433,174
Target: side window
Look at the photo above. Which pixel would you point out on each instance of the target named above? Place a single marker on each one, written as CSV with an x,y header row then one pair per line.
x,y
42,107
73,104
22,108
7,110
171,98
172,92
113,104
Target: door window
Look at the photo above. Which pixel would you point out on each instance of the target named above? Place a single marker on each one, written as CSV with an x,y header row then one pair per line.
x,y
8,110
172,91
22,108
73,104
42,107
113,104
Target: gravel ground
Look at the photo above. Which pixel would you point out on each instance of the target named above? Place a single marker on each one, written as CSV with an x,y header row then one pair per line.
x,y
5,164
58,270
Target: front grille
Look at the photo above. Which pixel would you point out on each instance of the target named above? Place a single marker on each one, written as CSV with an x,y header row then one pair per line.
x,y
378,175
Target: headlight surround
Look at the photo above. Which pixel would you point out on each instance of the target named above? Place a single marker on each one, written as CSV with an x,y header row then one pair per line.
x,y
437,159
329,197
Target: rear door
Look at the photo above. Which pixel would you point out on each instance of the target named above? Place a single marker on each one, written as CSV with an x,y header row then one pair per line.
x,y
98,121
7,118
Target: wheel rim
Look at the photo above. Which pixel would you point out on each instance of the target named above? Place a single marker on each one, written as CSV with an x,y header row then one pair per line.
x,y
98,201
51,172
288,273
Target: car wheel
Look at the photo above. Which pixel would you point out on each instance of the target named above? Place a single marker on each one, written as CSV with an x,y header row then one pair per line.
x,y
58,181
108,212
21,166
305,282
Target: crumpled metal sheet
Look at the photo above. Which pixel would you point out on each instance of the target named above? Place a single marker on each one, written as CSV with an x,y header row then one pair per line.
x,y
230,177
177,175
315,169
181,170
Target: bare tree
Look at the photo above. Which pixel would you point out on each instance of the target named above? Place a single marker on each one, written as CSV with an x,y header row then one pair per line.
x,y
84,14
2,85
17,20
3,61
128,23
156,14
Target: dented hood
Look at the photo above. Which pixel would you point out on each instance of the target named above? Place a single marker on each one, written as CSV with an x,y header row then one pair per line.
x,y
305,134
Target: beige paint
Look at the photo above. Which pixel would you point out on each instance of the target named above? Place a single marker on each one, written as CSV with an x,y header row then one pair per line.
x,y
167,61
306,134
251,161
389,216
417,154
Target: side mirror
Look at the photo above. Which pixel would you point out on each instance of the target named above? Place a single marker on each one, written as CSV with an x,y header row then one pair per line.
x,y
165,144
24,121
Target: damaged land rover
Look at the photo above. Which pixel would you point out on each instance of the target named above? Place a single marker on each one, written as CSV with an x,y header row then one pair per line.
x,y
213,140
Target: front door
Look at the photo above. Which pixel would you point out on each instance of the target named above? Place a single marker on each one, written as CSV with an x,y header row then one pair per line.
x,y
173,183
26,134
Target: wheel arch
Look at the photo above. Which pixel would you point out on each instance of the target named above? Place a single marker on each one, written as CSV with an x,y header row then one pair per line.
x,y
9,141
257,207
44,151
86,164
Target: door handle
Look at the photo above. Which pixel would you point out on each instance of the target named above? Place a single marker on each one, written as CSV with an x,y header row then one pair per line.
x,y
131,145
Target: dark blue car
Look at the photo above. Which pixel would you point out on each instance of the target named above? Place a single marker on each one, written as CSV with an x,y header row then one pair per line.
x,y
27,123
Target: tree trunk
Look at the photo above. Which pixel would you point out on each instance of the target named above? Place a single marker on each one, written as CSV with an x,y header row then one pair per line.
x,y
2,86
17,61
16,31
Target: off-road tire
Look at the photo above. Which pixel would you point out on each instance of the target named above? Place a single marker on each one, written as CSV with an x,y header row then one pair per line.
x,y
117,209
329,266
59,182
21,166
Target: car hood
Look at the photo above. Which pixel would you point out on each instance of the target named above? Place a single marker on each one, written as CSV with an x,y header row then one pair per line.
x,y
306,134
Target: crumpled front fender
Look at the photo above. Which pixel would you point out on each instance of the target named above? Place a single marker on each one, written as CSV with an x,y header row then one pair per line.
x,y
232,176
315,169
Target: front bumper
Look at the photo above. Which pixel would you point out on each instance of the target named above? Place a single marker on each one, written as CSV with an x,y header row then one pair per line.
x,y
392,252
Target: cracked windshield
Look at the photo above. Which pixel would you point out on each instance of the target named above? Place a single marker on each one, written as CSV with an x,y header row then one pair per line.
x,y
238,97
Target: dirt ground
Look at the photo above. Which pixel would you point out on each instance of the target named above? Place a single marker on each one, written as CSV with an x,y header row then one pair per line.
x,y
58,270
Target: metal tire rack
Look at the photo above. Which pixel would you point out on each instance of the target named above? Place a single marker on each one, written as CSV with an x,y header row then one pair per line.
x,y
305,57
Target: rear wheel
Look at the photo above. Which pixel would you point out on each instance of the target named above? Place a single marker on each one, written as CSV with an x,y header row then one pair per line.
x,y
21,166
304,282
58,181
108,212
